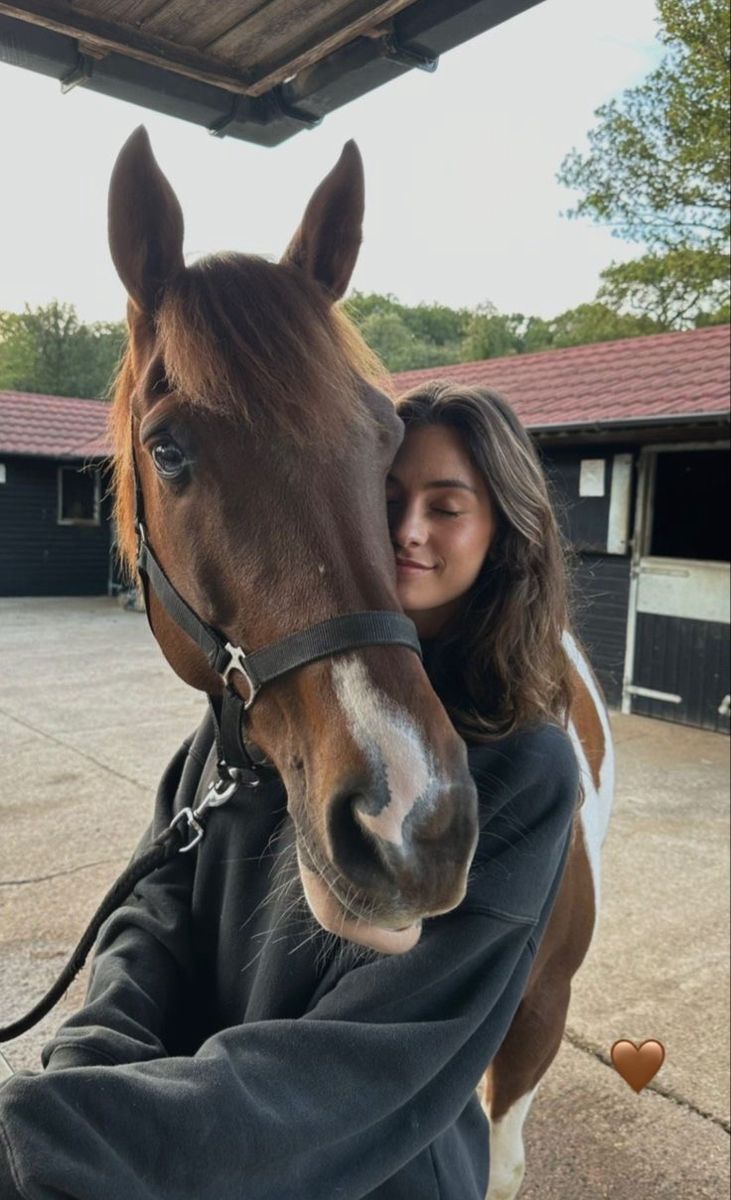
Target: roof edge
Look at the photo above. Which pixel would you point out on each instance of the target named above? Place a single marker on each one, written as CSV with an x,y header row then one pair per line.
x,y
61,457
720,417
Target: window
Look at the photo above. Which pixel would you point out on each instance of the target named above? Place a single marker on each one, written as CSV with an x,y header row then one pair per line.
x,y
690,517
78,497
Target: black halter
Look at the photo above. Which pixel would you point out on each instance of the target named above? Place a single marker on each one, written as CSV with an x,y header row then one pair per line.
x,y
238,758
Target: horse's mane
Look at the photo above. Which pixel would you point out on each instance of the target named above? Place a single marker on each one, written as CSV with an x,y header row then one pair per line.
x,y
248,340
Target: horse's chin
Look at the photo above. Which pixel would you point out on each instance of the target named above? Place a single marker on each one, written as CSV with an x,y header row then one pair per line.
x,y
333,918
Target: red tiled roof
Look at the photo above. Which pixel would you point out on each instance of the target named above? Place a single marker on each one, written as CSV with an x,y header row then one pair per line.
x,y
52,426
662,375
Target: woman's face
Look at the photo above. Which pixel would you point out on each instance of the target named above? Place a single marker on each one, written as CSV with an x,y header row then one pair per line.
x,y
442,522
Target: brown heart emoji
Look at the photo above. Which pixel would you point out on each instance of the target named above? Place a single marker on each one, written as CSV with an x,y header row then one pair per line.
x,y
638,1064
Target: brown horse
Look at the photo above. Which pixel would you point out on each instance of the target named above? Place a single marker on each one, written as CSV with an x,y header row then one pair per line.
x,y
534,1037
260,444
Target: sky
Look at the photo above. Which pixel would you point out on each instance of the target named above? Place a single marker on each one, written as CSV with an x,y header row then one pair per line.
x,y
462,203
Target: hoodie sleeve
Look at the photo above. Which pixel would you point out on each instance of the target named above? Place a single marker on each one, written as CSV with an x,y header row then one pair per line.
x,y
142,956
387,1059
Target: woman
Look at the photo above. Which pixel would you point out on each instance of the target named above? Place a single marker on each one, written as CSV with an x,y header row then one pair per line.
x,y
256,1057
493,596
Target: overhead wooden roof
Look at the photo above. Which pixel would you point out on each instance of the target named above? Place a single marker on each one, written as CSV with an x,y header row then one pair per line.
x,y
260,70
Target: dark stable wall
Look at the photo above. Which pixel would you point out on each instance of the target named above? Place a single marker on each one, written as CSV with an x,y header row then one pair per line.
x,y
39,557
600,581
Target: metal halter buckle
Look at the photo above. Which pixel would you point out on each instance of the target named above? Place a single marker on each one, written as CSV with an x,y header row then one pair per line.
x,y
238,663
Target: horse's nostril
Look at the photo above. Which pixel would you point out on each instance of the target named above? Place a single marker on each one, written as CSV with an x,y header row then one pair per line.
x,y
356,851
413,863
381,822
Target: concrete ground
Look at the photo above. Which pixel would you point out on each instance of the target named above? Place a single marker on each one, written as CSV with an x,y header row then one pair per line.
x,y
90,714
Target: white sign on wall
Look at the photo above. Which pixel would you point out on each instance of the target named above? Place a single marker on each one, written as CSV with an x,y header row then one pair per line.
x,y
592,477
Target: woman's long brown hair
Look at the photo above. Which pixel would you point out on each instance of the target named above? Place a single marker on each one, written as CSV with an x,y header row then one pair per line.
x,y
502,664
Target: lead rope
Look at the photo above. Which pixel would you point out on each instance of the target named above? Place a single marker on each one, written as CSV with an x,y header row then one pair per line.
x,y
163,848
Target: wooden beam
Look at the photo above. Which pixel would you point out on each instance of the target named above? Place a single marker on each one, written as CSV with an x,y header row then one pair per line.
x,y
100,37
105,37
369,25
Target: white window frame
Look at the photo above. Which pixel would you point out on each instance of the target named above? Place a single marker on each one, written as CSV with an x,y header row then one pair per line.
x,y
89,521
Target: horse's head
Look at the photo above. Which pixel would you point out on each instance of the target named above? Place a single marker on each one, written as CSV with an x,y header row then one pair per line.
x,y
261,452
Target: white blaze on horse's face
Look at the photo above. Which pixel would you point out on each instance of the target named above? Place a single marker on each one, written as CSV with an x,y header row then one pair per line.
x,y
380,730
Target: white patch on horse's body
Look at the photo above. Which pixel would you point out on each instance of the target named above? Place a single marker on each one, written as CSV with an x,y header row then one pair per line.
x,y
378,727
507,1153
597,806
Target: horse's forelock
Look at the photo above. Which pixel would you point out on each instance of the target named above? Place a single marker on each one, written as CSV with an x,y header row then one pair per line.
x,y
256,343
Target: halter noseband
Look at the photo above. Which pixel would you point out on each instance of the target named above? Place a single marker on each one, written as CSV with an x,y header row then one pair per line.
x,y
238,758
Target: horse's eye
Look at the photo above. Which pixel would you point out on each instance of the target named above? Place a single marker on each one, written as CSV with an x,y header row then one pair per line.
x,y
169,459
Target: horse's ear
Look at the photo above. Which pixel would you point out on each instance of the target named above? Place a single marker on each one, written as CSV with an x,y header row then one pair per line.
x,y
145,223
327,242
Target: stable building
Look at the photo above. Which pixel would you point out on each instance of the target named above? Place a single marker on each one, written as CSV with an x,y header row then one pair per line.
x,y
634,436
55,527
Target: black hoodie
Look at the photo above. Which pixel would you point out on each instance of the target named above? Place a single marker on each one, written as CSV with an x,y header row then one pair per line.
x,y
229,1049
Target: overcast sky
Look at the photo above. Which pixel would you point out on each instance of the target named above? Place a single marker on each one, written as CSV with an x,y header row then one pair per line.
x,y
462,201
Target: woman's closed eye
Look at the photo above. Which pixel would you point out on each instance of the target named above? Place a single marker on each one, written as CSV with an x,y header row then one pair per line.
x,y
392,504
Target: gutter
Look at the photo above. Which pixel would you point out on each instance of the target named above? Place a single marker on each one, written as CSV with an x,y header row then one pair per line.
x,y
632,423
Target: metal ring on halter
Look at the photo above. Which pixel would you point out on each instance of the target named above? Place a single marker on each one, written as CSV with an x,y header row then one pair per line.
x,y
217,794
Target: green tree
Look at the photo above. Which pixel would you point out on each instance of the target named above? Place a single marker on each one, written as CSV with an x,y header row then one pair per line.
x,y
597,322
718,316
437,324
491,334
658,170
17,355
407,337
537,335
49,350
436,336
673,286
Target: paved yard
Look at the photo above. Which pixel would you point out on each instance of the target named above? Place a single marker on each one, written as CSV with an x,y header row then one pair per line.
x,y
90,714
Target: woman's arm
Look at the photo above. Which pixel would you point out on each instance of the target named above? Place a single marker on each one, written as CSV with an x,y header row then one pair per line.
x,y
142,956
337,1101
